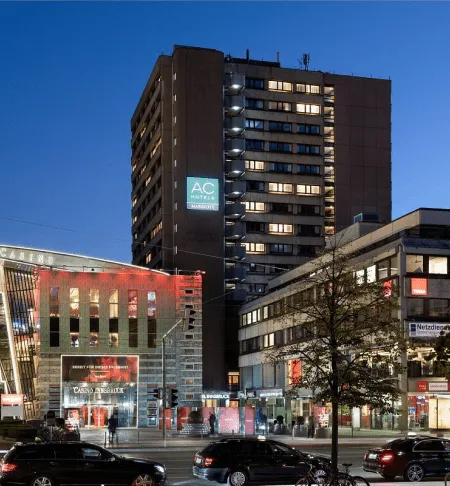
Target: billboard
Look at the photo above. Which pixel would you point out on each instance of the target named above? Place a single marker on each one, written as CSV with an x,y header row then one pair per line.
x,y
202,194
96,369
427,330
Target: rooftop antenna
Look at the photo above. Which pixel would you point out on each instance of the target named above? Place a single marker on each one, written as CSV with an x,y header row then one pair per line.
x,y
305,61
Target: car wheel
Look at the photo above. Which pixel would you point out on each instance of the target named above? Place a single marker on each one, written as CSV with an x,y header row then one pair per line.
x,y
237,478
42,480
414,472
143,480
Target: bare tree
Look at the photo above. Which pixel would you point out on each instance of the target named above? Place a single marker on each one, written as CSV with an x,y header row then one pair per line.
x,y
349,340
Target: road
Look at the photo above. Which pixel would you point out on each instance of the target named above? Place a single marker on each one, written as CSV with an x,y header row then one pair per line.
x,y
179,464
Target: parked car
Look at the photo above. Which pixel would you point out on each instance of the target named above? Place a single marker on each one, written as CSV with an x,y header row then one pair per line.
x,y
75,463
413,458
255,460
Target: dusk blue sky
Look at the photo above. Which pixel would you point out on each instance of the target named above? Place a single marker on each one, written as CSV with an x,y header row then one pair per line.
x,y
72,73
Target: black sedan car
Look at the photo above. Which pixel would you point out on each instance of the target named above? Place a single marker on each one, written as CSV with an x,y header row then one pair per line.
x,y
240,461
75,463
413,458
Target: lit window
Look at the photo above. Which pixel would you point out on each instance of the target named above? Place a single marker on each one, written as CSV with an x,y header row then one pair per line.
x,y
308,189
437,264
75,302
279,86
134,219
94,300
148,258
134,201
280,106
414,263
254,165
113,304
280,187
308,88
132,303
280,228
255,247
254,124
308,109
147,180
254,206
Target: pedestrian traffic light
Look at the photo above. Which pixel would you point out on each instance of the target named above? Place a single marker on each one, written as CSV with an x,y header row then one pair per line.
x,y
189,319
156,393
173,398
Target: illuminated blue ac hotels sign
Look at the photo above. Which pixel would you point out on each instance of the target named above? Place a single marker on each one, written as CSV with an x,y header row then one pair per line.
x,y
202,194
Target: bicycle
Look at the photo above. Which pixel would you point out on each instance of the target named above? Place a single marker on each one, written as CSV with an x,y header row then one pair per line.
x,y
357,480
317,476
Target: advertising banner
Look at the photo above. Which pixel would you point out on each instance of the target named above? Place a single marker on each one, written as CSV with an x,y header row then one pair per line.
x,y
12,399
100,369
438,386
228,420
427,330
419,286
249,421
202,194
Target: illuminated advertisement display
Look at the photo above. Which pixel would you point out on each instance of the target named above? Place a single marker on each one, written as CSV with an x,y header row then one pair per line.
x,y
202,194
419,286
96,369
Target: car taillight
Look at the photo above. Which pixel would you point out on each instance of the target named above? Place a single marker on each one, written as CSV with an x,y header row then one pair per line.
x,y
207,461
386,456
8,467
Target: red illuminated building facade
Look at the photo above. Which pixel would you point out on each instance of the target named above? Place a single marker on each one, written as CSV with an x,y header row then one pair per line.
x,y
412,253
82,336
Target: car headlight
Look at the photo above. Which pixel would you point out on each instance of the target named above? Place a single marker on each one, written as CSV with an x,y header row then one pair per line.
x,y
160,469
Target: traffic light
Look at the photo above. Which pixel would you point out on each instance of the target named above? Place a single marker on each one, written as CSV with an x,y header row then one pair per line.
x,y
157,393
189,319
173,400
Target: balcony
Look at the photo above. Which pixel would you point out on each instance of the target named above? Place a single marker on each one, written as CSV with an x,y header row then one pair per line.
x,y
234,83
235,189
234,168
237,295
235,210
235,231
234,147
234,104
234,126
235,273
235,252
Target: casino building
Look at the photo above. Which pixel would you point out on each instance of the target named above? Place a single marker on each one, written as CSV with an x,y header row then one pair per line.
x,y
82,336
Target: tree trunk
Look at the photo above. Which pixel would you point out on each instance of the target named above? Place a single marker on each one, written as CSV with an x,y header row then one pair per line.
x,y
334,435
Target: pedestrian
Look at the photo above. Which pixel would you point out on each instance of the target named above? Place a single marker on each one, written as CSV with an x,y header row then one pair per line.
x,y
212,423
311,426
264,423
112,426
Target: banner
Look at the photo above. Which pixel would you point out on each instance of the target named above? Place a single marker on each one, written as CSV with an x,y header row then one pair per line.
x,y
100,369
427,329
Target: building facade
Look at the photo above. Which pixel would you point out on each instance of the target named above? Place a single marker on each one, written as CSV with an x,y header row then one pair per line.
x,y
82,336
413,253
241,167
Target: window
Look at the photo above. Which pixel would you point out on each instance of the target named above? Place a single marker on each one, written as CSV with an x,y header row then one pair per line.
x,y
308,109
113,318
275,126
74,297
308,169
280,147
415,307
254,104
269,340
383,269
255,247
306,250
306,129
54,302
308,149
255,186
438,308
309,230
132,303
254,83
308,88
94,302
254,124
151,304
54,331
280,167
414,263
280,106
132,333
280,228
308,189
113,333
151,332
280,187
279,86
74,326
280,208
255,268
94,329
254,165
309,210
254,227
254,206
276,248
437,264
254,144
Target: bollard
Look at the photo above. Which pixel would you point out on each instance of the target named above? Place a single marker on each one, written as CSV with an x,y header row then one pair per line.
x,y
105,440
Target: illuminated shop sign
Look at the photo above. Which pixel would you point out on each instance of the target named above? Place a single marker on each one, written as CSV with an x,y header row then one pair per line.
x,y
215,396
202,194
438,386
26,256
427,329
99,369
12,399
270,393
419,286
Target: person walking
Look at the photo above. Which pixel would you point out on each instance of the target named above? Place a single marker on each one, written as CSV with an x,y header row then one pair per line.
x,y
112,426
264,423
311,426
212,423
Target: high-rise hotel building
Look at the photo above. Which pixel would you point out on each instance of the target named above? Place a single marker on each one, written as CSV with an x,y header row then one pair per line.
x,y
241,168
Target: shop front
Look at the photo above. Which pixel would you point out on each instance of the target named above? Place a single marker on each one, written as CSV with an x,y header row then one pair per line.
x,y
95,388
429,406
